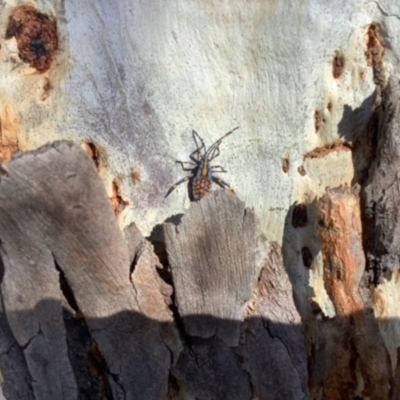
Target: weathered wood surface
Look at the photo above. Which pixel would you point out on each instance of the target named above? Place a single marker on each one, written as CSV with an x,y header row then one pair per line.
x,y
382,189
215,263
235,301
54,214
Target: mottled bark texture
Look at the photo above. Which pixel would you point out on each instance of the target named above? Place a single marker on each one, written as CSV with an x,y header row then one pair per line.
x,y
382,189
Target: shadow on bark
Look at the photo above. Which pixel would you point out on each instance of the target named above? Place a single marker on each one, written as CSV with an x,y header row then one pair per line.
x,y
205,368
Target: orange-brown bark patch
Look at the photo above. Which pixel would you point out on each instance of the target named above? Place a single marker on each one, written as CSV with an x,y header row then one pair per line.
x,y
339,229
117,202
320,152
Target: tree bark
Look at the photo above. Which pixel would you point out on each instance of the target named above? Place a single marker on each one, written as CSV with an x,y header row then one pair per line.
x,y
286,288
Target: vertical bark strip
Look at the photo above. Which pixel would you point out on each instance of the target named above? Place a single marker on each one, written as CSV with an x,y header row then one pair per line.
x,y
382,189
357,340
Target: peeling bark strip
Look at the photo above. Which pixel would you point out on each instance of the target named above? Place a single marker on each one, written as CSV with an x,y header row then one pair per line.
x,y
352,339
382,191
339,228
53,208
214,264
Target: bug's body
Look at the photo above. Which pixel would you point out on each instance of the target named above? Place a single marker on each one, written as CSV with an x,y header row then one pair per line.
x,y
201,169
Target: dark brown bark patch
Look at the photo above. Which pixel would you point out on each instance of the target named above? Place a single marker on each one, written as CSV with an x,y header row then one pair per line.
x,y
300,216
36,35
382,189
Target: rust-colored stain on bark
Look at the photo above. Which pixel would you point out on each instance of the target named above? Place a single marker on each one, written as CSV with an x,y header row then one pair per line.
x,y
117,202
285,165
9,131
320,152
6,152
338,66
36,35
300,216
375,49
318,121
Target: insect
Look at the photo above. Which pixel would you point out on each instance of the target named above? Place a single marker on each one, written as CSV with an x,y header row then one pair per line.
x,y
202,173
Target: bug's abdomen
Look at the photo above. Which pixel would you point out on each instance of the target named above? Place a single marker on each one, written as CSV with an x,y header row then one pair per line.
x,y
200,187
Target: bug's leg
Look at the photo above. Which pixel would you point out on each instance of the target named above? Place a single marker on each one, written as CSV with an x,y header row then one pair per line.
x,y
222,183
217,168
215,152
173,187
214,148
200,147
191,164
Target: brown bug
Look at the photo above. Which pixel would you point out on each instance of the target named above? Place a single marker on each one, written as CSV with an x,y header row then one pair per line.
x,y
202,173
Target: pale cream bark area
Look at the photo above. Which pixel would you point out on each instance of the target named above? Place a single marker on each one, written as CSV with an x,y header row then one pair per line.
x,y
136,77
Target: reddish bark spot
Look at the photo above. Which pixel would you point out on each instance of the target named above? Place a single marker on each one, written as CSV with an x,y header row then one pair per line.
x,y
95,153
36,35
318,121
117,202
